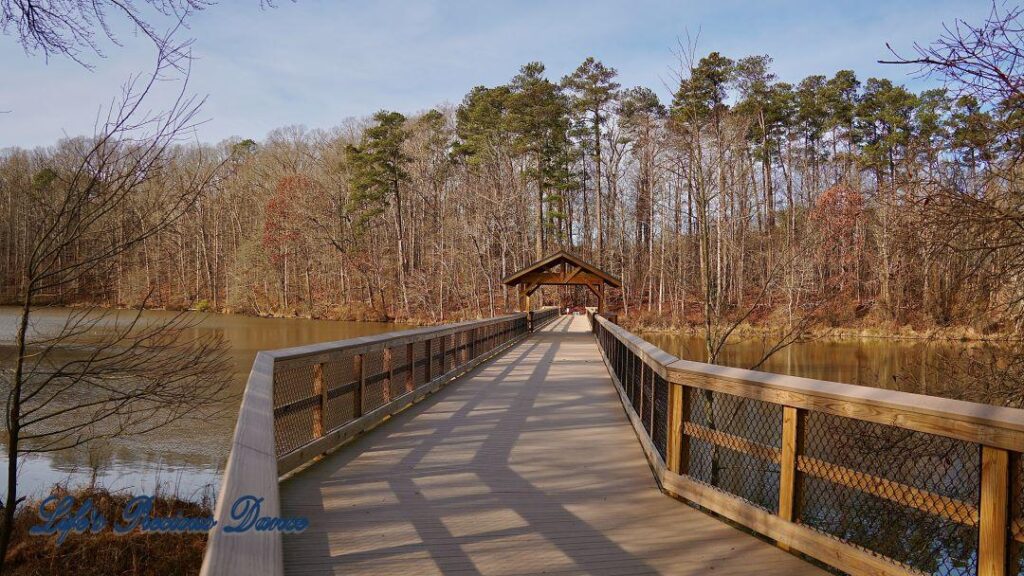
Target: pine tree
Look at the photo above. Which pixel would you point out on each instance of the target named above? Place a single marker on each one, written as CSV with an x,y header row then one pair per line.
x,y
593,89
538,118
377,172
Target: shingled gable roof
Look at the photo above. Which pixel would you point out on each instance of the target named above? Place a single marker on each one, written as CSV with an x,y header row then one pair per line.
x,y
556,259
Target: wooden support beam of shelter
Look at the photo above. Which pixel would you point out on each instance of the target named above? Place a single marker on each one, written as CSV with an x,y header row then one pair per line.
x,y
561,269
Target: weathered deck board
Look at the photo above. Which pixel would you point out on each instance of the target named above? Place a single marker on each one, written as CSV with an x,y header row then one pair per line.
x,y
526,466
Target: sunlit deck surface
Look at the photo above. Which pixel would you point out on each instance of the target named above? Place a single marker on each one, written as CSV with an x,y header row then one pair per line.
x,y
527,465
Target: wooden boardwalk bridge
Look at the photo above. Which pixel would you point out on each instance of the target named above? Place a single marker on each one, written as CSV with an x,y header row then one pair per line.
x,y
527,465
537,443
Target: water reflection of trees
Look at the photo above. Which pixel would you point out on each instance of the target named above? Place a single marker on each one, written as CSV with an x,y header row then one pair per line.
x,y
935,534
988,372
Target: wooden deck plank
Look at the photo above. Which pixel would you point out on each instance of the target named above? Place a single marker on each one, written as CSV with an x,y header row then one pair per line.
x,y
527,465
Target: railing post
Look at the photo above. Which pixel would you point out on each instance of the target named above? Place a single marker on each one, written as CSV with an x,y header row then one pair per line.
x,y
319,409
676,441
357,371
792,447
994,527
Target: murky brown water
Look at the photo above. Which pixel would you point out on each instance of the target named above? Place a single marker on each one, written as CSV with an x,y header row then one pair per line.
x,y
184,457
919,366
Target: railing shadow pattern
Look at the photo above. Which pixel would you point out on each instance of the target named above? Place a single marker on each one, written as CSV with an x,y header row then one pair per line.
x,y
302,402
865,480
450,474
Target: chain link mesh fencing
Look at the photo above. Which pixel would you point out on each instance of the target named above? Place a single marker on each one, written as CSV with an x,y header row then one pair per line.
x,y
857,475
734,445
909,497
312,399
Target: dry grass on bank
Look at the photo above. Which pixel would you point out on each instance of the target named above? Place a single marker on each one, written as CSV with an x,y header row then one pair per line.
x,y
866,326
107,553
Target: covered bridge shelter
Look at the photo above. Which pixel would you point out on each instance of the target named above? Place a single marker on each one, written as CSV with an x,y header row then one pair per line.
x,y
561,269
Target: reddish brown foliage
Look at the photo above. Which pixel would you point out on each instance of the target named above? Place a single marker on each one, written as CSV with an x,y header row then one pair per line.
x,y
838,216
282,227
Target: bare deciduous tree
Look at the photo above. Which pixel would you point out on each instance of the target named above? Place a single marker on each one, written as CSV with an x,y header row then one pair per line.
x,y
97,377
74,28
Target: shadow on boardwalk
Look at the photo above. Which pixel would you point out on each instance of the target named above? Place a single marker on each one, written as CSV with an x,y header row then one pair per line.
x,y
525,466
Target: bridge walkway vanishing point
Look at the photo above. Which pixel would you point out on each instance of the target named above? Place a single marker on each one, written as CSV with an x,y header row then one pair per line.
x,y
526,465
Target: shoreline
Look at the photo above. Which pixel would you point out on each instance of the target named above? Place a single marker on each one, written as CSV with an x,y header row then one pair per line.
x,y
746,332
952,334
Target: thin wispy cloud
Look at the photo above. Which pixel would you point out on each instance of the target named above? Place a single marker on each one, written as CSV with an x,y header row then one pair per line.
x,y
316,63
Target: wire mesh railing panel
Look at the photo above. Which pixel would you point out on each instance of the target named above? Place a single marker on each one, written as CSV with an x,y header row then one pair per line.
x,y
646,397
456,342
340,375
472,344
734,444
294,404
542,317
464,339
622,358
611,348
633,379
450,351
399,370
293,384
908,496
615,346
293,430
420,363
437,351
374,381
316,395
660,432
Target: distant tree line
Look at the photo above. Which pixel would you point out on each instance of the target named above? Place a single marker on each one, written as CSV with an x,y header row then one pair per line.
x,y
744,197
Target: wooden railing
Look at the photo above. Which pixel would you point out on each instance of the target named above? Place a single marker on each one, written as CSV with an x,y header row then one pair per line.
x,y
302,402
539,318
866,480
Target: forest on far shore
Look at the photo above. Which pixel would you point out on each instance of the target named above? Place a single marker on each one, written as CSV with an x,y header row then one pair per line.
x,y
833,200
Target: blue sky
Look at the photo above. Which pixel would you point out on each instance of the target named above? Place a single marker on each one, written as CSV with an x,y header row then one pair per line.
x,y
315,63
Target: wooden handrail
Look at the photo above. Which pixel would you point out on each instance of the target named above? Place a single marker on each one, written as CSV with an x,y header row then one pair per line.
x,y
981,423
315,353
251,470
997,431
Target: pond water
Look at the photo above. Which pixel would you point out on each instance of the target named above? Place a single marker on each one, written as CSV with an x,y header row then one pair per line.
x,y
185,458
909,365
